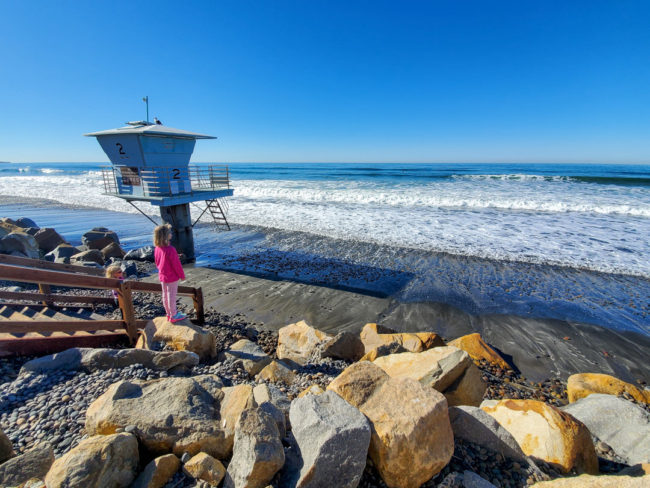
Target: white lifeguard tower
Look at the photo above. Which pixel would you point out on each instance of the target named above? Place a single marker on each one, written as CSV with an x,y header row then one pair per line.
x,y
150,163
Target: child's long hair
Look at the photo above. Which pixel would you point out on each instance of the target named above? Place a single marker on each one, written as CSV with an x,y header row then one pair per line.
x,y
113,270
162,235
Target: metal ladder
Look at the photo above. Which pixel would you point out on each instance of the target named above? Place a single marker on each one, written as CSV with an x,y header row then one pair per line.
x,y
218,209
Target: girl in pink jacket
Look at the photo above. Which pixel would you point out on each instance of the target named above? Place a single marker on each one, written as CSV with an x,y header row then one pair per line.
x,y
170,271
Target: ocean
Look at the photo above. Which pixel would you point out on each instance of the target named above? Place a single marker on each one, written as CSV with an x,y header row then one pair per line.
x,y
554,241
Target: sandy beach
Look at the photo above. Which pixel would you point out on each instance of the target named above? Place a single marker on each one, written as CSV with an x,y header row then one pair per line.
x,y
538,348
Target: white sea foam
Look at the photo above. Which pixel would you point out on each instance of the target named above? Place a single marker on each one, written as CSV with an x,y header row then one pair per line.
x,y
527,218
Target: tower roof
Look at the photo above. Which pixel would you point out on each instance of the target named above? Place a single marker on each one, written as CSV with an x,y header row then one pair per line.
x,y
147,128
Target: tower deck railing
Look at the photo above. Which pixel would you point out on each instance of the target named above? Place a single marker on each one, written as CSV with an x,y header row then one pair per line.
x,y
154,182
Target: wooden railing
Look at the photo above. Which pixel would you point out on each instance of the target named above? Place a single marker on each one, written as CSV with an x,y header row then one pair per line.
x,y
46,274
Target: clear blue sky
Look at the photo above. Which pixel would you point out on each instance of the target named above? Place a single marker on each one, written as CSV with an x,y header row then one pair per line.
x,y
332,81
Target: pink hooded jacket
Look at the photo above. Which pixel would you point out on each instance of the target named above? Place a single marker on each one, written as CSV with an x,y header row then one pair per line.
x,y
168,264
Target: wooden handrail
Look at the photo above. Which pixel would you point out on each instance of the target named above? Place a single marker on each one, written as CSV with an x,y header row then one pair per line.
x,y
40,264
38,297
26,270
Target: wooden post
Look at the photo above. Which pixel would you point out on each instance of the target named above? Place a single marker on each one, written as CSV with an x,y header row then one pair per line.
x,y
45,290
125,300
197,298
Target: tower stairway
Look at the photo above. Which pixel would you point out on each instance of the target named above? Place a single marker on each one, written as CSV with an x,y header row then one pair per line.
x,y
218,208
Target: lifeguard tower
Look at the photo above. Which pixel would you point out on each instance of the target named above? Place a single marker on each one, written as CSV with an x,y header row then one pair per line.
x,y
150,163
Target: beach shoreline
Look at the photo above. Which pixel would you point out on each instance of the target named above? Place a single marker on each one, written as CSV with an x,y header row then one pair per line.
x,y
539,348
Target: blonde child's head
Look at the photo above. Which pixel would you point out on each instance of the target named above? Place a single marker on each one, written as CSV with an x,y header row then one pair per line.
x,y
162,235
114,271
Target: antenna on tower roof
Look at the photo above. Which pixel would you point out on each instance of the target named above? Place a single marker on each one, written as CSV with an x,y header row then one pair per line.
x,y
146,100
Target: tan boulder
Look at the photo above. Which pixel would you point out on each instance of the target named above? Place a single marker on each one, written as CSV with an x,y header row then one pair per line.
x,y
172,414
296,342
183,336
236,399
584,384
99,461
277,372
446,369
373,336
311,390
383,350
112,250
411,437
158,472
477,348
587,480
545,432
206,468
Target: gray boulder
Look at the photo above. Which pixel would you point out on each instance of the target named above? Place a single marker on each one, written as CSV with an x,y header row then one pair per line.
x,y
24,222
62,254
48,239
619,423
141,254
271,393
474,425
6,447
332,439
91,359
257,452
473,480
34,463
129,268
19,242
99,238
249,353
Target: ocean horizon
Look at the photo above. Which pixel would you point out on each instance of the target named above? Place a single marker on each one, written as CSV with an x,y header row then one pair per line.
x,y
553,241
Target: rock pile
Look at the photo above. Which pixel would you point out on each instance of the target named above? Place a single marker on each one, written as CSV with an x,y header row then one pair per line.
x,y
228,405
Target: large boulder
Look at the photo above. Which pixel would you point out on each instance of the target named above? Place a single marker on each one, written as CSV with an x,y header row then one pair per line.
x,y
99,238
277,372
171,414
48,239
383,350
183,336
590,481
332,438
236,399
545,432
158,472
112,250
411,437
252,357
99,461
205,468
90,256
26,223
141,254
89,359
477,348
257,454
297,342
373,336
621,424
447,369
19,244
62,254
584,384
344,345
472,424
6,448
34,463
272,394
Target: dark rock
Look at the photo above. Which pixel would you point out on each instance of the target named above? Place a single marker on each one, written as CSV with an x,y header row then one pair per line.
x,y
24,222
345,345
129,268
99,238
48,239
62,254
113,250
141,254
93,256
35,463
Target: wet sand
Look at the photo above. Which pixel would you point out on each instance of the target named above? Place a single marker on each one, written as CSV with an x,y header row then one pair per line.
x,y
538,348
